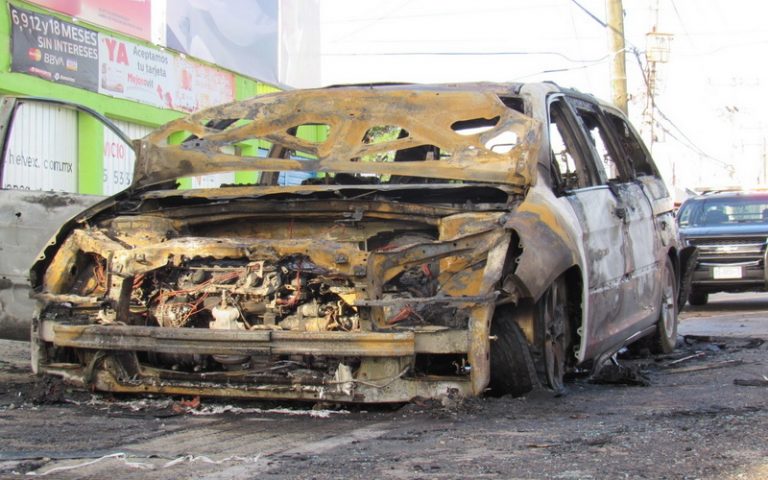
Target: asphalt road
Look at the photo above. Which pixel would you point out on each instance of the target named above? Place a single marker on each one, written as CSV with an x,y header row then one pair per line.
x,y
692,419
728,314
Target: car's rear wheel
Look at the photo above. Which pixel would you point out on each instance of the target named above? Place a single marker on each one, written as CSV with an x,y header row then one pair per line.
x,y
511,364
552,318
665,338
697,298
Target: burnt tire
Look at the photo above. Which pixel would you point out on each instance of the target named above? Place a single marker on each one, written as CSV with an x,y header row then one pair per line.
x,y
511,363
697,298
553,321
665,337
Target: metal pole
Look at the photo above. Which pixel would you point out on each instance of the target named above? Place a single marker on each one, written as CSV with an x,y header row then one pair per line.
x,y
616,43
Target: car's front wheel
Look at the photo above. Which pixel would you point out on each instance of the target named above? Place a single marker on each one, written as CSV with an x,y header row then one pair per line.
x,y
697,298
512,370
665,338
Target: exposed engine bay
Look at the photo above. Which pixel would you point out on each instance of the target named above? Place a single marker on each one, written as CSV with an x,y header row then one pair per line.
x,y
291,295
294,294
142,271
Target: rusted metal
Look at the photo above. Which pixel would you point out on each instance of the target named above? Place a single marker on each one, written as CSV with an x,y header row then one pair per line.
x,y
221,342
398,390
426,114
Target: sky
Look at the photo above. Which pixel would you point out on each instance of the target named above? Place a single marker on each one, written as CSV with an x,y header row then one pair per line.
x,y
710,125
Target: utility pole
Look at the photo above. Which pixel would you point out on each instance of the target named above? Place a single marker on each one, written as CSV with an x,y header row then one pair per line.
x,y
616,43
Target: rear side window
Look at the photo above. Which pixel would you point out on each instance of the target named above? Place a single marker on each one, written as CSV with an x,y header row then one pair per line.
x,y
598,136
633,147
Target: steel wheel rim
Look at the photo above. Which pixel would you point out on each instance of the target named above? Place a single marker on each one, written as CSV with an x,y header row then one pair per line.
x,y
555,337
668,307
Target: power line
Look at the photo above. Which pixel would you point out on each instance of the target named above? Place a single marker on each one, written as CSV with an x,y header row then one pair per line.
x,y
455,13
476,53
373,21
729,167
680,19
562,70
687,142
591,15
595,18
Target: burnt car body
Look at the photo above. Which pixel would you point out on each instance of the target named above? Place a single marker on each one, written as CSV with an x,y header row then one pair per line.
x,y
496,236
730,231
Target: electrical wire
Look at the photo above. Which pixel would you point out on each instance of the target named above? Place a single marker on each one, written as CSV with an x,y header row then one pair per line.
x,y
373,21
432,14
593,16
470,53
605,59
685,140
680,19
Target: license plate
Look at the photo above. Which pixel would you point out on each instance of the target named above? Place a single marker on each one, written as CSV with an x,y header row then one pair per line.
x,y
726,272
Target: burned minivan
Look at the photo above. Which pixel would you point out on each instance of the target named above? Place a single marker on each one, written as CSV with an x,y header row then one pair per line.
x,y
434,240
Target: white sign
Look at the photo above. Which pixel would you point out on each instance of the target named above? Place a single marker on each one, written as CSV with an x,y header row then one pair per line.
x,y
135,72
154,77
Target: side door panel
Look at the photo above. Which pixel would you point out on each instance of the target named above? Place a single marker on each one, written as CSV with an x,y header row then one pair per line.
x,y
641,286
643,247
28,219
599,212
604,242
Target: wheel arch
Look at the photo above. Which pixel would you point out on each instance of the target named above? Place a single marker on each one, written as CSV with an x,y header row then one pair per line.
x,y
540,256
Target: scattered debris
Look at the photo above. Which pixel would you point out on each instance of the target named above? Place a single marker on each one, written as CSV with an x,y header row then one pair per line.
x,y
752,382
707,366
723,343
219,409
149,466
47,391
613,374
186,405
680,360
709,411
194,407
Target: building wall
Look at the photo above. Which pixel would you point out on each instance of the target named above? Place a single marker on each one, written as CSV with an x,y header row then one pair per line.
x,y
90,159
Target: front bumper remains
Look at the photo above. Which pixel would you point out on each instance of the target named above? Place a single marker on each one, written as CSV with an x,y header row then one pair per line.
x,y
384,374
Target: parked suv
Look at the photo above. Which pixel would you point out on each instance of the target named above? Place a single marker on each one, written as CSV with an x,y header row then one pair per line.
x,y
730,230
439,240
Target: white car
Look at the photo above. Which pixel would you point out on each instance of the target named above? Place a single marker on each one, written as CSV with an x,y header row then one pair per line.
x,y
421,241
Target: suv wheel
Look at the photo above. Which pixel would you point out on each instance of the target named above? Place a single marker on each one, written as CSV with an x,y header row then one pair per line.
x,y
665,338
698,298
512,370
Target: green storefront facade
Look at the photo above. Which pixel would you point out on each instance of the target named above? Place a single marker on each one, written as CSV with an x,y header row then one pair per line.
x,y
89,132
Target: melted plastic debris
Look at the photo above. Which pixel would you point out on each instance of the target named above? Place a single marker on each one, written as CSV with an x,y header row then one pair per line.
x,y
219,409
194,407
149,466
133,405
